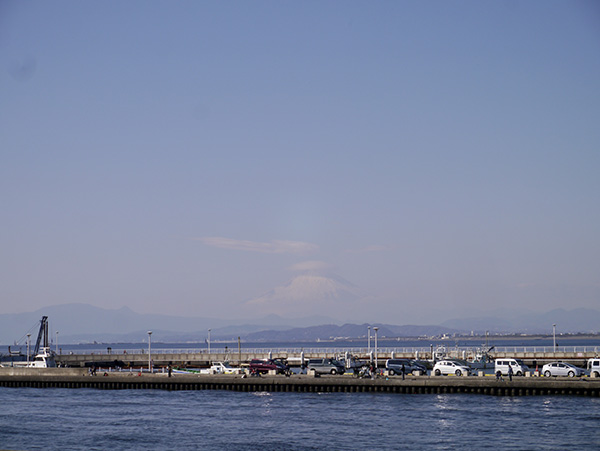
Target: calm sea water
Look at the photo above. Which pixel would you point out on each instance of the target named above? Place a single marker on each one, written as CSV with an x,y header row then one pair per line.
x,y
86,419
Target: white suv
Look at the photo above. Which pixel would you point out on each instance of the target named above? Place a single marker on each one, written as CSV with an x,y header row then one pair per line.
x,y
451,367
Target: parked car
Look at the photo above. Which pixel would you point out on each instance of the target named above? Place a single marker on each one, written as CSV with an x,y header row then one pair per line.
x,y
282,365
264,366
394,366
326,366
562,369
593,367
518,367
450,367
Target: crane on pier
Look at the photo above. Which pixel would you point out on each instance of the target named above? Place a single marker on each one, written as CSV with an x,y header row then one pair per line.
x,y
42,335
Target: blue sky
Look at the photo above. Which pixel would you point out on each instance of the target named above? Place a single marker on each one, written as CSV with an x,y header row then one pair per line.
x,y
188,157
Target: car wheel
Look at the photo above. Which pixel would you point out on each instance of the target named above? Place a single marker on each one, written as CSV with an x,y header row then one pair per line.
x,y
571,374
519,373
333,371
458,372
596,374
438,373
392,372
547,374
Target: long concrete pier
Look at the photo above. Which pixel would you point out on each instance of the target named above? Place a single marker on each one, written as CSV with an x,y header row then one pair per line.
x,y
73,378
161,359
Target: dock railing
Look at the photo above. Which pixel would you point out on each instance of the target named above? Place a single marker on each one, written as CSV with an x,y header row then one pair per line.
x,y
421,351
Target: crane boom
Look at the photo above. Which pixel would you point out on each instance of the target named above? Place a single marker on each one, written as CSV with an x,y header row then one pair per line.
x,y
42,333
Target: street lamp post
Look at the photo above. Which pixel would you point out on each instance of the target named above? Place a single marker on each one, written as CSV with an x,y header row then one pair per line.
x,y
209,341
369,338
554,337
150,351
376,329
57,342
28,336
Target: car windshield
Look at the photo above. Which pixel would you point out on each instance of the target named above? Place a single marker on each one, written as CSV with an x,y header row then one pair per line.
x,y
459,362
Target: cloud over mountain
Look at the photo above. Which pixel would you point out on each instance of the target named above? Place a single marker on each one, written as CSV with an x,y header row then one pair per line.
x,y
309,292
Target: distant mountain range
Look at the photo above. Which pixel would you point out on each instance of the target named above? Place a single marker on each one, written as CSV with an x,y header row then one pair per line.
x,y
86,323
347,331
80,323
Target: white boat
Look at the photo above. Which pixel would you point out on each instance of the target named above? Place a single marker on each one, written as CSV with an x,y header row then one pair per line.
x,y
221,368
481,361
43,359
216,368
481,358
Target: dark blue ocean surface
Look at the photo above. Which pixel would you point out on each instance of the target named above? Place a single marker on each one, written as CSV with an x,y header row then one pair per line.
x,y
86,419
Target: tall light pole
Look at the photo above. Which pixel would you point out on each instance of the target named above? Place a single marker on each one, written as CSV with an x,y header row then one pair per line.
x,y
28,337
57,342
369,338
376,329
209,341
554,337
150,351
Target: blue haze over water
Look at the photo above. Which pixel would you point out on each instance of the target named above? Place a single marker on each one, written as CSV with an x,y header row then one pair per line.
x,y
89,419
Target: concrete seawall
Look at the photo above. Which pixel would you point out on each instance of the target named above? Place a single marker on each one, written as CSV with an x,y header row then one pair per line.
x,y
521,386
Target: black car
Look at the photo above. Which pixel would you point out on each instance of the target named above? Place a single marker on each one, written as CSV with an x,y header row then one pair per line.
x,y
394,366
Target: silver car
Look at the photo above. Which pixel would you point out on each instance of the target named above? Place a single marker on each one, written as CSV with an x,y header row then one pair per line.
x,y
561,369
326,366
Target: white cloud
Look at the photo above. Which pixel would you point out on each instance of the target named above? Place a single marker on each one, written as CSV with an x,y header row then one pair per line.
x,y
311,265
306,294
273,247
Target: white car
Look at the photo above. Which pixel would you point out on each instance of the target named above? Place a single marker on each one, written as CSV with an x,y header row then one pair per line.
x,y
517,366
451,367
561,369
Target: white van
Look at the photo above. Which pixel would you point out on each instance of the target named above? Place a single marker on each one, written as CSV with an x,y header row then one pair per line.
x,y
518,367
593,367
